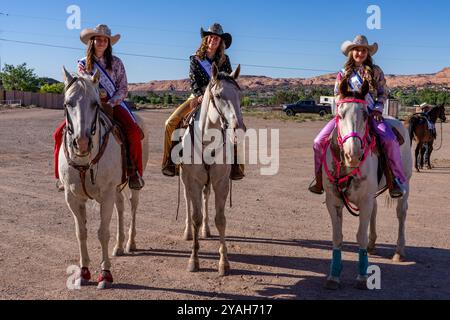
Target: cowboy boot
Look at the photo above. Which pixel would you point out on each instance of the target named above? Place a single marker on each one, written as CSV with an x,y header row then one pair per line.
x,y
237,170
169,168
318,187
396,189
136,182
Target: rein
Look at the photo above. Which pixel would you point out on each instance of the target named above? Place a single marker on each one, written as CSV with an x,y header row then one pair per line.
x,y
82,169
342,182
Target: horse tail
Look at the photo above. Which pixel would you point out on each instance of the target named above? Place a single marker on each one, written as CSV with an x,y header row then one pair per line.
x,y
412,122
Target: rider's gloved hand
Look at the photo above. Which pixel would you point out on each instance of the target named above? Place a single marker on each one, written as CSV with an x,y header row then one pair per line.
x,y
377,115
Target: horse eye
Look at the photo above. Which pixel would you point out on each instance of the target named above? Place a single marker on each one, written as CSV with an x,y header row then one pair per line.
x,y
218,96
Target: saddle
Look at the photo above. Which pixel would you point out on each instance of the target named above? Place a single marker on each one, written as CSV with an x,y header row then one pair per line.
x,y
119,135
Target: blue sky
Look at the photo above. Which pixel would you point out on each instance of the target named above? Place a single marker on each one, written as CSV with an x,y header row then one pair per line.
x,y
415,34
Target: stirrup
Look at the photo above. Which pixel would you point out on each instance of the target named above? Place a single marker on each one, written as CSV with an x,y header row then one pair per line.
x,y
136,182
398,191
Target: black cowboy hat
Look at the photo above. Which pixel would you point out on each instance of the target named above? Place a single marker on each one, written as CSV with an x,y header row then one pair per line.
x,y
216,29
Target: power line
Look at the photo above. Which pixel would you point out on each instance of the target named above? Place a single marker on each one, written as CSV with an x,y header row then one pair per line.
x,y
160,57
292,53
237,35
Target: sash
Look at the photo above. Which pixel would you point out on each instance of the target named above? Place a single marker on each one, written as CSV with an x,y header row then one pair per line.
x,y
356,83
106,83
206,66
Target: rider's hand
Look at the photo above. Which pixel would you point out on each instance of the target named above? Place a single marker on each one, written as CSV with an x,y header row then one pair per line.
x,y
200,99
378,116
108,109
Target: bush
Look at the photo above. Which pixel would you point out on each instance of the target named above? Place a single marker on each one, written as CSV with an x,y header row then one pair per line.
x,y
52,88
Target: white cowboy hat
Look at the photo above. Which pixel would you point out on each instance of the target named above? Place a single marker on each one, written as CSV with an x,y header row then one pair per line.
x,y
359,41
101,30
216,29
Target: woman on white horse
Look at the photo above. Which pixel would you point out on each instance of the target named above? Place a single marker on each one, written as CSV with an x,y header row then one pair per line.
x,y
212,49
113,91
360,67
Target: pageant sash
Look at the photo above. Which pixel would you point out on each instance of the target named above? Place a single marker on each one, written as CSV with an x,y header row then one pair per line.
x,y
356,83
206,66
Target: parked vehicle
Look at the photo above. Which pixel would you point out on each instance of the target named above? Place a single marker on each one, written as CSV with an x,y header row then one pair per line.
x,y
306,106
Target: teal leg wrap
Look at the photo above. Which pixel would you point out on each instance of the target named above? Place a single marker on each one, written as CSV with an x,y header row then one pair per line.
x,y
336,264
363,262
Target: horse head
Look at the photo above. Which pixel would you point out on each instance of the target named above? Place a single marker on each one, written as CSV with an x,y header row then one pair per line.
x,y
225,95
352,123
442,113
81,105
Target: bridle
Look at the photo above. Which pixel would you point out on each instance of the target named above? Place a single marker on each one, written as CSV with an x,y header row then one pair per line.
x,y
82,169
367,144
223,119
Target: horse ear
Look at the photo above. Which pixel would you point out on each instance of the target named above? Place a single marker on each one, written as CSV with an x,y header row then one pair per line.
x,y
67,76
96,77
343,89
364,89
215,71
236,73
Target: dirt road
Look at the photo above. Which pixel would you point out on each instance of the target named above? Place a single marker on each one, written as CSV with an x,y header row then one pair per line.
x,y
278,233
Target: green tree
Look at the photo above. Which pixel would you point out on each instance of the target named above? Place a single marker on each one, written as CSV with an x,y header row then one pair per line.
x,y
53,88
19,78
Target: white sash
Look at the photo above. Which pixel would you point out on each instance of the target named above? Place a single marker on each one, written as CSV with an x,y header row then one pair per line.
x,y
356,83
107,84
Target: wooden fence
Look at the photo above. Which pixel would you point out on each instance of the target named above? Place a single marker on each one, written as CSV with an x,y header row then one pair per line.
x,y
42,100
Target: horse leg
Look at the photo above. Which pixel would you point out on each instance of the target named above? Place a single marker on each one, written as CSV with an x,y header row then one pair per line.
x,y
373,230
78,209
363,241
402,210
333,280
206,232
430,150
195,195
423,151
221,191
418,148
188,229
134,200
120,237
106,208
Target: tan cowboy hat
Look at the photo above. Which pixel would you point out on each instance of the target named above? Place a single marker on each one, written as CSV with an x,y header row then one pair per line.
x,y
100,30
216,29
359,41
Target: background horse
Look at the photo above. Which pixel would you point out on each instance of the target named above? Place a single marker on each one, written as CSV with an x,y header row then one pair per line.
x,y
219,112
419,130
88,148
350,169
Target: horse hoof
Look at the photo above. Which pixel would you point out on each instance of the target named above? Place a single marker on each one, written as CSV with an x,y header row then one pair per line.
x,y
131,248
194,266
224,270
188,237
118,252
104,285
332,285
85,277
105,280
398,258
361,285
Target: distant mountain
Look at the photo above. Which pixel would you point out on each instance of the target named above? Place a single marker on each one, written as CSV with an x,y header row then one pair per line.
x,y
439,80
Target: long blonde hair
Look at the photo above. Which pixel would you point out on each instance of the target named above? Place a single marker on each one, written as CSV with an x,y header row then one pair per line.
x,y
90,56
369,74
220,57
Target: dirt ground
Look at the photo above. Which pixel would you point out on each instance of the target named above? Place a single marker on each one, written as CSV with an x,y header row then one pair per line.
x,y
279,235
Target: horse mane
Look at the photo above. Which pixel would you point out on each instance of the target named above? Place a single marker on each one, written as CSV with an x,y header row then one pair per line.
x,y
223,76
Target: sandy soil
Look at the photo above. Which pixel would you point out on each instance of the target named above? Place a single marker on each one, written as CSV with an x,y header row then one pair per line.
x,y
278,233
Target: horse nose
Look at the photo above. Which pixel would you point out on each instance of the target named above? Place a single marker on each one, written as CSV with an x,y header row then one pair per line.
x,y
82,145
352,161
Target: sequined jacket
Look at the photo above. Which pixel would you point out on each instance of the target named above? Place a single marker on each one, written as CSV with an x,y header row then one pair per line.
x,y
200,79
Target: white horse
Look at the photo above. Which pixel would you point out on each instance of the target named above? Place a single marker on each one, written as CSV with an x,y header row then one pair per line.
x,y
220,110
351,152
90,167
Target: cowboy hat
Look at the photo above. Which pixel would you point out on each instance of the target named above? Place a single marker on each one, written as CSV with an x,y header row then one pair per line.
x,y
359,41
101,30
216,29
